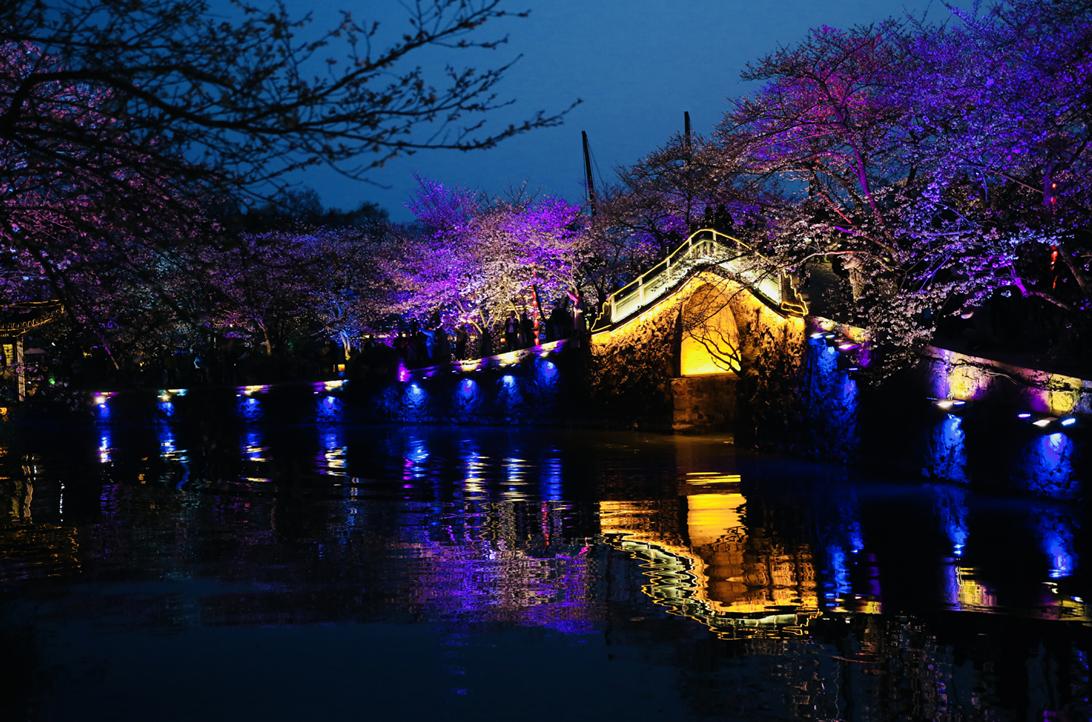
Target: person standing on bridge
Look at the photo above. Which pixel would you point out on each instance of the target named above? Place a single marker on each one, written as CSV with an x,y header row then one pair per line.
x,y
526,330
462,339
511,332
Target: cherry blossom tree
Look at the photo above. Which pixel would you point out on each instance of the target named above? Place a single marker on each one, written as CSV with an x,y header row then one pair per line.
x,y
937,165
473,260
127,126
315,285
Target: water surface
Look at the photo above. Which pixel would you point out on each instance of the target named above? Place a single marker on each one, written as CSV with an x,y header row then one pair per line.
x,y
253,558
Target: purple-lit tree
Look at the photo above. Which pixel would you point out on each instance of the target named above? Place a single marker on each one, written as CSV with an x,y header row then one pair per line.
x,y
657,202
126,124
925,160
1000,105
472,260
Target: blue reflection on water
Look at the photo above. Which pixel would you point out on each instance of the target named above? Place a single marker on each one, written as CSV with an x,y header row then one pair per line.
x,y
333,453
1056,530
474,464
837,587
1049,465
950,503
171,453
856,540
105,445
414,459
167,446
843,545
550,484
252,447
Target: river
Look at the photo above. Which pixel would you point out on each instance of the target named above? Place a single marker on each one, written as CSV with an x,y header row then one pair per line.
x,y
190,559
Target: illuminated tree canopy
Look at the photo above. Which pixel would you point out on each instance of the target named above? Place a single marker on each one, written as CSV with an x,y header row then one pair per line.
x,y
130,130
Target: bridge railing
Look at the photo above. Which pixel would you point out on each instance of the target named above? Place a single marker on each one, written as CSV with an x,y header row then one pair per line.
x,y
702,248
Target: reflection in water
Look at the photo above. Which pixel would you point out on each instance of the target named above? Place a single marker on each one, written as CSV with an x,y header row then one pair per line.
x,y
414,461
716,571
965,590
104,446
950,503
170,453
1058,543
333,454
553,546
550,486
257,466
474,464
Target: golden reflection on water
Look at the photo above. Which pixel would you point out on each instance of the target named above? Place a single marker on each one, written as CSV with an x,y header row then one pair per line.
x,y
736,581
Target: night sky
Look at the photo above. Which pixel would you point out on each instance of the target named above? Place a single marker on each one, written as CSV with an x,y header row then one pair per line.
x,y
635,64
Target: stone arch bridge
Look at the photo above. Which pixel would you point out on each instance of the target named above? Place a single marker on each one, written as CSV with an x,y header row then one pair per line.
x,y
665,349
668,348
671,342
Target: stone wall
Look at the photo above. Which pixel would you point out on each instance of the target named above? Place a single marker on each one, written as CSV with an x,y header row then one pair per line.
x,y
950,374
537,390
703,403
632,367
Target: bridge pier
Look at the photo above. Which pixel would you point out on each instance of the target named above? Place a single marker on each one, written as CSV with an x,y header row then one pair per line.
x,y
703,403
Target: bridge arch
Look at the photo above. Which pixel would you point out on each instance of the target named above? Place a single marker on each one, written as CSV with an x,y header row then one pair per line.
x,y
710,342
670,344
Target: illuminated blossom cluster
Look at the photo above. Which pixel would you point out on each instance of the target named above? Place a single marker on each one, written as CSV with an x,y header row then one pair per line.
x,y
472,260
934,167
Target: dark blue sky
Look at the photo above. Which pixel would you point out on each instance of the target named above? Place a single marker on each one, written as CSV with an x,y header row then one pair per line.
x,y
636,64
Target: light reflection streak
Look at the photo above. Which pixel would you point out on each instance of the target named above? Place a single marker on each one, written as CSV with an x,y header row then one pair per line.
x,y
714,579
105,447
252,447
550,485
333,453
1057,536
170,453
414,460
475,465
